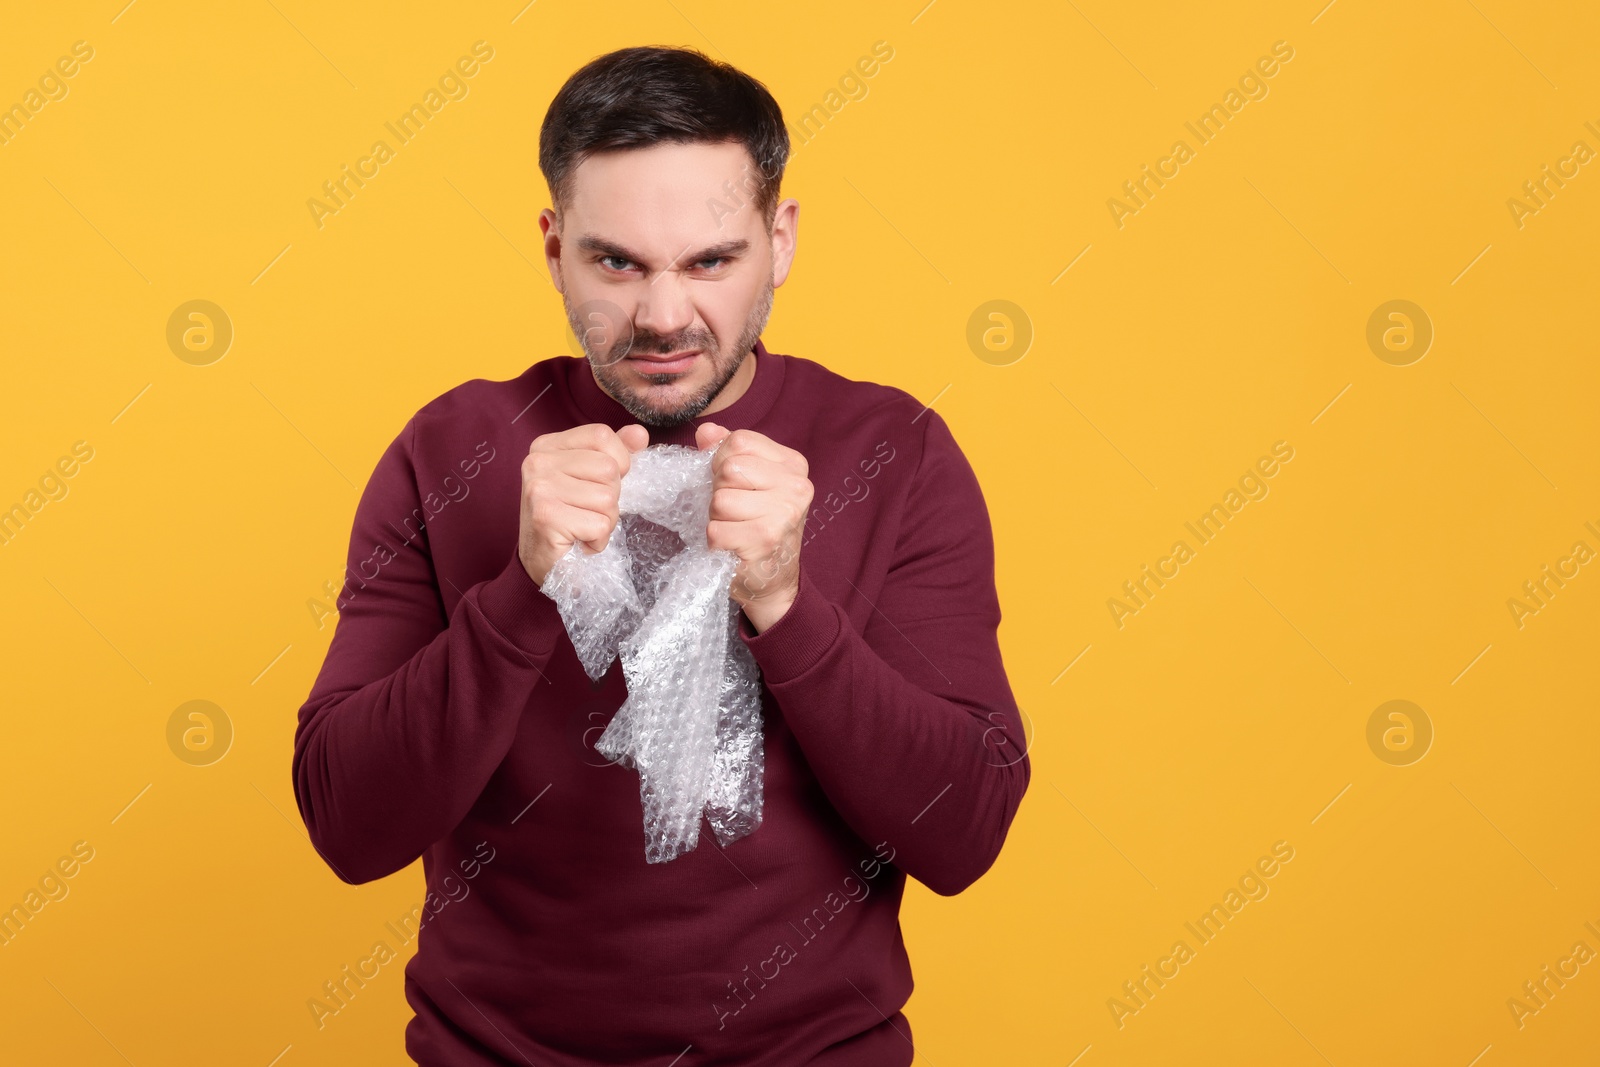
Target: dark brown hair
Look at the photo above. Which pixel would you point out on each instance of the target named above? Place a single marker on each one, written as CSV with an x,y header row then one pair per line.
x,y
637,97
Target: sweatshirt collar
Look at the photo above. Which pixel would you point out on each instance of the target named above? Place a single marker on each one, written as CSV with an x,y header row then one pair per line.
x,y
594,404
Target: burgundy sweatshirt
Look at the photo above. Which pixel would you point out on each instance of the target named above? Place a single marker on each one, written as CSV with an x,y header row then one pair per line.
x,y
452,720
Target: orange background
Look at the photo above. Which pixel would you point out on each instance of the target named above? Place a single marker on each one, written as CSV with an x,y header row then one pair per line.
x,y
1168,354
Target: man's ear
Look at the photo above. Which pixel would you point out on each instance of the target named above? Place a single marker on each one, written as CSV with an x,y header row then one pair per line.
x,y
785,239
550,229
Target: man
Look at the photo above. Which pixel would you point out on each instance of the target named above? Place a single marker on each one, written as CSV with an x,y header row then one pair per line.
x,y
452,719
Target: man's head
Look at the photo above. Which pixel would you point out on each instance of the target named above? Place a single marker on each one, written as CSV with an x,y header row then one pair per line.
x,y
666,237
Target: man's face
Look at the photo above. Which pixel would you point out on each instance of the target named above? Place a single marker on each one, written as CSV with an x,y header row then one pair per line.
x,y
662,252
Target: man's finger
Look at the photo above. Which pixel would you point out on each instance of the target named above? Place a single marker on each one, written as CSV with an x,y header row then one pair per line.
x,y
586,494
589,465
751,472
742,443
595,437
736,505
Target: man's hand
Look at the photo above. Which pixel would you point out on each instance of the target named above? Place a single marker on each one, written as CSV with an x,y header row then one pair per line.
x,y
760,494
571,482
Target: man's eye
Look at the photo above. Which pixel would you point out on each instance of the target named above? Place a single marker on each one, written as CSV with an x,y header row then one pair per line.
x,y
618,263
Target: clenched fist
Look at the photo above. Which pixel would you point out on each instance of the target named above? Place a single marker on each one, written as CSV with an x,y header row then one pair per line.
x,y
760,494
571,482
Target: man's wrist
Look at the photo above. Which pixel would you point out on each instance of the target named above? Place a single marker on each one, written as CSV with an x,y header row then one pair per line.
x,y
765,613
794,643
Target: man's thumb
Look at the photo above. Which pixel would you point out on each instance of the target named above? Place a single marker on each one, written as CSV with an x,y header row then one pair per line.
x,y
708,434
634,437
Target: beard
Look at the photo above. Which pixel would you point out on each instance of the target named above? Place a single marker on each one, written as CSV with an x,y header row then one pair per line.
x,y
605,360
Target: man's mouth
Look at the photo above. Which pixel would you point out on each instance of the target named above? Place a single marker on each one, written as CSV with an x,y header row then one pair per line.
x,y
664,363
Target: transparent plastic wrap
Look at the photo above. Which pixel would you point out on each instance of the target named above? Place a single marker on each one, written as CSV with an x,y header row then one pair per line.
x,y
657,596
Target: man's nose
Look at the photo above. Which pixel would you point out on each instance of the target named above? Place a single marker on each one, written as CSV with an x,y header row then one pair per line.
x,y
664,307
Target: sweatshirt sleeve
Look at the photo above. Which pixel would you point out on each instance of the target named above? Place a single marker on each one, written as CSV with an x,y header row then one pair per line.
x,y
910,724
412,712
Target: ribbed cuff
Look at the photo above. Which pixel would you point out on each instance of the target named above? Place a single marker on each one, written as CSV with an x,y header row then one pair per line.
x,y
793,645
519,609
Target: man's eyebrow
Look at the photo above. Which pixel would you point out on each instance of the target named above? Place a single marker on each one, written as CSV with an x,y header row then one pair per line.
x,y
591,242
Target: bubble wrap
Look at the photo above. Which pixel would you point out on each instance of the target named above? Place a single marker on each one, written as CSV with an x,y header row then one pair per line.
x,y
658,596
